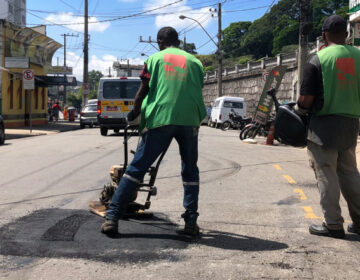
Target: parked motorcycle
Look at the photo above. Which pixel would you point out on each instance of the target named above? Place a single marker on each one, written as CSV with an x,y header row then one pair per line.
x,y
235,121
253,129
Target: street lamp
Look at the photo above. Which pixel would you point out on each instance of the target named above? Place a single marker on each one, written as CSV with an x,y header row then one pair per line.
x,y
218,45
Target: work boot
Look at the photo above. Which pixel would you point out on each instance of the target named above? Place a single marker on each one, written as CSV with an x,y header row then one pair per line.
x,y
323,230
110,227
354,228
191,228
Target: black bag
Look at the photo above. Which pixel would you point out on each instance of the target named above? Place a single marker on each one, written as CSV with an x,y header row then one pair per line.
x,y
290,128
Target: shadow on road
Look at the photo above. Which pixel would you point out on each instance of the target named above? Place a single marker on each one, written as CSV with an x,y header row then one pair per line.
x,y
66,233
232,241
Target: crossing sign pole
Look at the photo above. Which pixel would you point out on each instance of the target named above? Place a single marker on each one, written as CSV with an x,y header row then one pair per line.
x,y
29,79
29,84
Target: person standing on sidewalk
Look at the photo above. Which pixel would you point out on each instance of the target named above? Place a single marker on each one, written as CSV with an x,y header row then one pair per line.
x,y
55,111
331,93
171,105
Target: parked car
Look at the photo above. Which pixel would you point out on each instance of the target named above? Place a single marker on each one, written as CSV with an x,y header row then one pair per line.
x,y
2,131
223,106
92,102
88,116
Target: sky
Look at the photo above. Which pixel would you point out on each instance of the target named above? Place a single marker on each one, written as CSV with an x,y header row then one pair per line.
x,y
115,26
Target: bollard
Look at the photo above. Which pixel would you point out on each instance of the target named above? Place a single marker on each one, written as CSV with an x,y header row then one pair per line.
x,y
270,137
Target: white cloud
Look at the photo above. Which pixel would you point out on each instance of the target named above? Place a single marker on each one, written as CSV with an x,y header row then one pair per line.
x,y
202,15
66,18
101,64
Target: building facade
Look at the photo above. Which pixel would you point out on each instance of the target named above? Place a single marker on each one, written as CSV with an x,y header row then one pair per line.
x,y
127,70
13,11
17,105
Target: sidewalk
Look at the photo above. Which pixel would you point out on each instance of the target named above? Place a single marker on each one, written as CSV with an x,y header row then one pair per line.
x,y
50,128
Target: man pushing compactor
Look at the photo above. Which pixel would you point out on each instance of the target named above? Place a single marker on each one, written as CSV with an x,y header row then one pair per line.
x,y
170,104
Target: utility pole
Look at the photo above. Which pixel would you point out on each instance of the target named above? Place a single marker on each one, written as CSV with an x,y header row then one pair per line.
x,y
305,27
151,42
184,43
219,52
86,55
66,35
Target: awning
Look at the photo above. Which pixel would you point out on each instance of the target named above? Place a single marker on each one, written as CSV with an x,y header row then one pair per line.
x,y
45,81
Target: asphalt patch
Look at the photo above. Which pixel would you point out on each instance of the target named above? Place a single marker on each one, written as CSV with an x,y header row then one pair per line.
x,y
64,233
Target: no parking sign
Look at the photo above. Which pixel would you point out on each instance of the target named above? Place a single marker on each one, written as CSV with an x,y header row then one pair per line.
x,y
29,79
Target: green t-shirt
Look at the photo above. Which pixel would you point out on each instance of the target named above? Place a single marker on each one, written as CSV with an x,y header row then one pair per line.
x,y
340,66
175,95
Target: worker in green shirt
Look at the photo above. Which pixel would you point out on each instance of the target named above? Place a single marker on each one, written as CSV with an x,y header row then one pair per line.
x,y
331,92
171,106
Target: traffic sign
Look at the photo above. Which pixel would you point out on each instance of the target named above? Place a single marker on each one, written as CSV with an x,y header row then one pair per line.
x,y
29,79
85,87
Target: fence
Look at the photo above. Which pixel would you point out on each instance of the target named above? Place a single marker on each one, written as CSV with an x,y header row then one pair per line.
x,y
264,63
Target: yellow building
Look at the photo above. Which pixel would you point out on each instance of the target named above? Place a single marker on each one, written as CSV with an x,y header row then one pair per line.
x,y
17,105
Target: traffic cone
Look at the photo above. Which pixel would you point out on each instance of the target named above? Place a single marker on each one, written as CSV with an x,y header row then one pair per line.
x,y
270,137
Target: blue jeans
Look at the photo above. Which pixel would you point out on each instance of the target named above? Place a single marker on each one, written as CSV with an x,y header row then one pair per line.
x,y
153,143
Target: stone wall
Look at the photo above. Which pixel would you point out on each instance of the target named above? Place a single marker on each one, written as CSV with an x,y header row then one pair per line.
x,y
247,82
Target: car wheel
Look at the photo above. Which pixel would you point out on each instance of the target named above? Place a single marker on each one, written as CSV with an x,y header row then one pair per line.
x,y
116,130
103,131
91,125
82,125
2,135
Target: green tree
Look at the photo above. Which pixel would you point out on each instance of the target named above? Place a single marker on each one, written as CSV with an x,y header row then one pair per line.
x,y
209,69
232,36
73,99
94,78
285,33
189,47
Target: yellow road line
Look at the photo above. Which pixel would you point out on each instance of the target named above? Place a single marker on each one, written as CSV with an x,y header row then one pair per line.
x,y
289,179
301,194
277,167
309,213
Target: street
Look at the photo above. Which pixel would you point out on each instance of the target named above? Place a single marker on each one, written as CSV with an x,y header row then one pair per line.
x,y
256,204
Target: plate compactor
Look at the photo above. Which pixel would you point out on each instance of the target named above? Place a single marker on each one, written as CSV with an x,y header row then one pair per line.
x,y
116,172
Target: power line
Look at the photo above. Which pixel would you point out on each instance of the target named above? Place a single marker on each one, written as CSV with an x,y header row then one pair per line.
x,y
121,17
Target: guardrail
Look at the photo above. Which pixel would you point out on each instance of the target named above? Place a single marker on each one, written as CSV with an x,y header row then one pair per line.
x,y
264,63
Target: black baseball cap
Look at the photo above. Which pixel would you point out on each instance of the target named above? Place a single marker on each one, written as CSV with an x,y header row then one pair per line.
x,y
334,24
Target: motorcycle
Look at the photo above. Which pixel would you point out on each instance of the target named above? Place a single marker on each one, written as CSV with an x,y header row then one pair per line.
x,y
235,121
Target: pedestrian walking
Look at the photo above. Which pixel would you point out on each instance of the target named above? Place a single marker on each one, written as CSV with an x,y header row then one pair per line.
x,y
55,111
171,106
331,93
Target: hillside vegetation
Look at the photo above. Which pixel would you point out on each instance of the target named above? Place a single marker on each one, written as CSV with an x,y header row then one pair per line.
x,y
276,32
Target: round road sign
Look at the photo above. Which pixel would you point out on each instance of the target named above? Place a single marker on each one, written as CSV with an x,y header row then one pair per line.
x,y
28,75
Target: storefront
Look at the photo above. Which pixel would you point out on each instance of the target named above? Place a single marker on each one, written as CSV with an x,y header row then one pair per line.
x,y
16,104
354,10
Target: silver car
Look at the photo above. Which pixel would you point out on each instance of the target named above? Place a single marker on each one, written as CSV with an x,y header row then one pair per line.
x,y
88,116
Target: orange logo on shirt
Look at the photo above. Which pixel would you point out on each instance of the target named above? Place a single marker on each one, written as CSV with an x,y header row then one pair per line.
x,y
175,66
346,69
175,63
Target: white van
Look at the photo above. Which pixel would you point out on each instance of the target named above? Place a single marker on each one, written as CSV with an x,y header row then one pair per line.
x,y
223,106
115,100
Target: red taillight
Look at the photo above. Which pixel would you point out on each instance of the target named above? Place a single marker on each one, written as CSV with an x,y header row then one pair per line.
x,y
220,117
98,108
123,78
